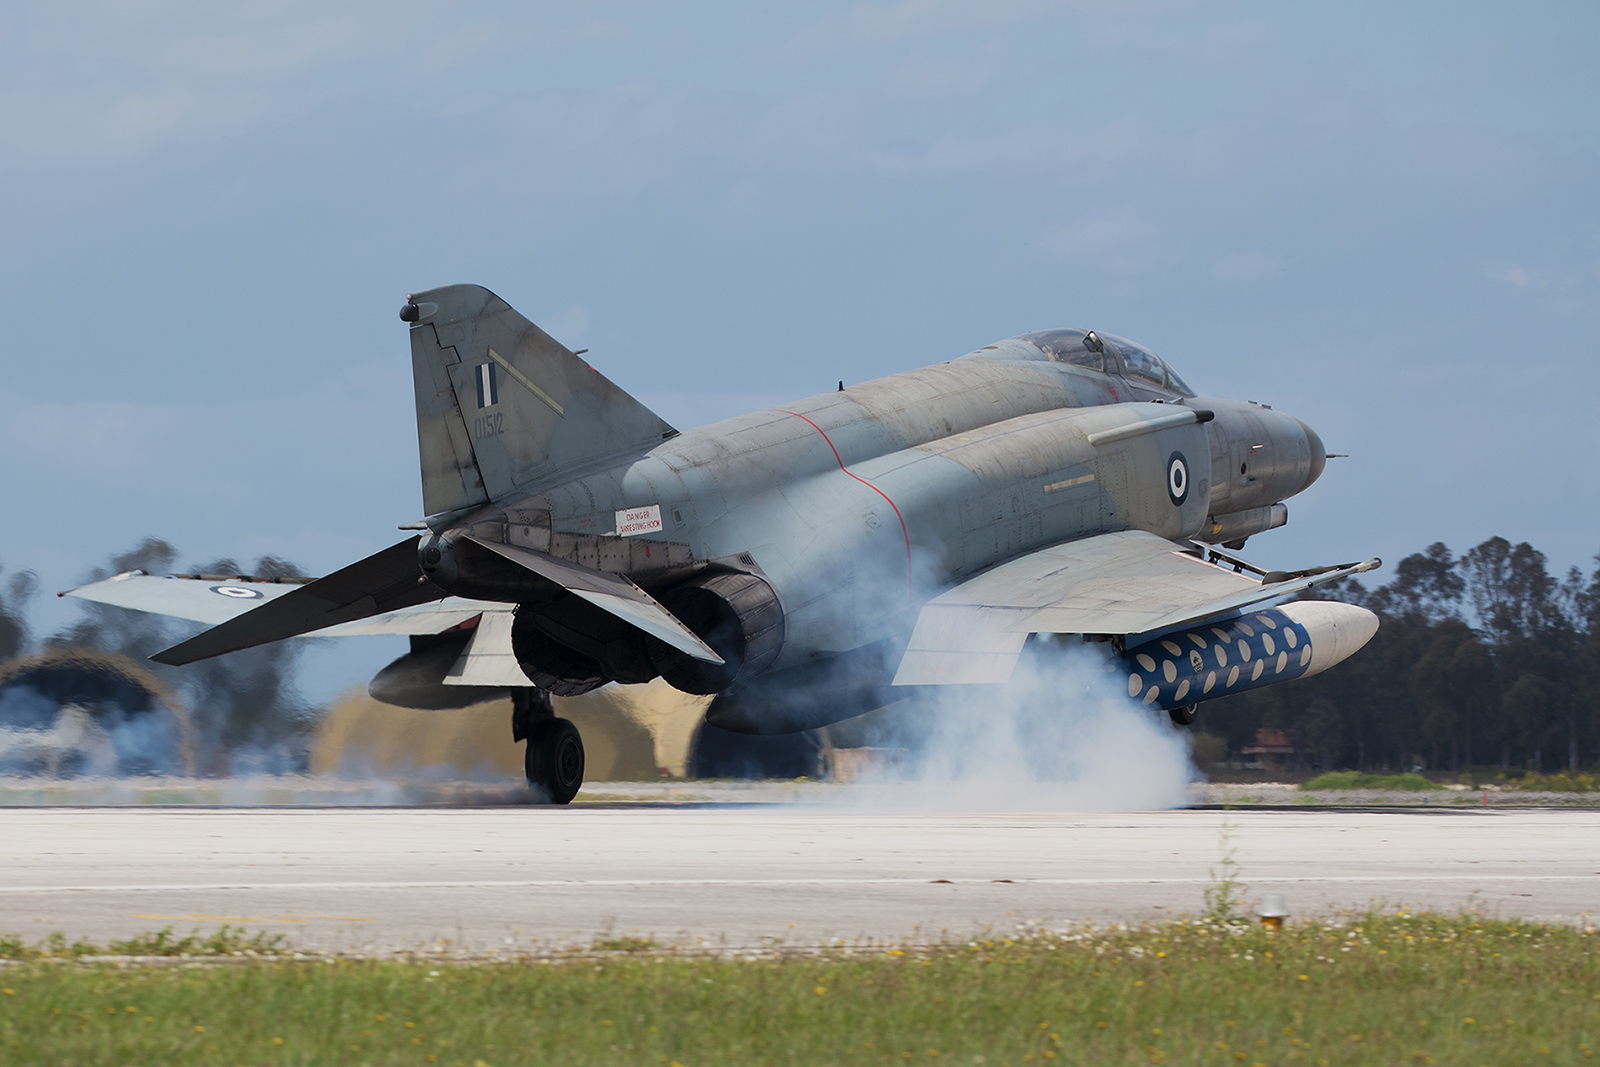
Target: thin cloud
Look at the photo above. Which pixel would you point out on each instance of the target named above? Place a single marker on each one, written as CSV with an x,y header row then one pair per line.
x,y
1518,277
1121,243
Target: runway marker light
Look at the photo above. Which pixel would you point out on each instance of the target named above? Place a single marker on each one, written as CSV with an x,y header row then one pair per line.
x,y
1273,910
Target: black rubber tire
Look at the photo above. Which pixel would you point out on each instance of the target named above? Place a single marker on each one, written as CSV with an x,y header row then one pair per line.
x,y
1186,715
554,760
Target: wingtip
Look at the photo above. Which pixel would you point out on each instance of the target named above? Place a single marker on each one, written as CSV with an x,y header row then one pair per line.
x,y
179,655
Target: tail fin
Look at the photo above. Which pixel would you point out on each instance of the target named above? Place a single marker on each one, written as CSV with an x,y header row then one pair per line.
x,y
501,403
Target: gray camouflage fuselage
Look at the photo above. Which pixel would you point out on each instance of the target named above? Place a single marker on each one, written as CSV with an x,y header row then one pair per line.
x,y
856,506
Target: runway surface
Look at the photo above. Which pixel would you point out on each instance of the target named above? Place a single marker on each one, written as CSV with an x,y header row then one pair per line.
x,y
514,879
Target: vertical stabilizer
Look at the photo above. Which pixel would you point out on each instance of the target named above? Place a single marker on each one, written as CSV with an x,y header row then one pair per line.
x,y
500,403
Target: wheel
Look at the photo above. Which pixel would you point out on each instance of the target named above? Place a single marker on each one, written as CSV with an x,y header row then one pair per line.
x,y
1186,715
554,759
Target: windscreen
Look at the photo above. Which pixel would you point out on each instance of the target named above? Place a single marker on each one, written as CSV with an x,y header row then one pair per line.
x,y
1065,346
1140,363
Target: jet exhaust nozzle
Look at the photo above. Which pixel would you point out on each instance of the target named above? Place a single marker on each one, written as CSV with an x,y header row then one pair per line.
x,y
734,612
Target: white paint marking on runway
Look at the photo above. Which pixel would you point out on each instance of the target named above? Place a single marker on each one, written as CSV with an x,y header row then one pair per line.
x,y
669,883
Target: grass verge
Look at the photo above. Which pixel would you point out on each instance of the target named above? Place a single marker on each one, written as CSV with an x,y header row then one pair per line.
x,y
1358,780
1381,989
1563,782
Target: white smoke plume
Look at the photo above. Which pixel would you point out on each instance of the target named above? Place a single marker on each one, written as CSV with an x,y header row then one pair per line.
x,y
1062,735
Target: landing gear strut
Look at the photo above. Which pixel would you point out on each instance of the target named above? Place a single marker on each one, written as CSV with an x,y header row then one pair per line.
x,y
554,757
1186,715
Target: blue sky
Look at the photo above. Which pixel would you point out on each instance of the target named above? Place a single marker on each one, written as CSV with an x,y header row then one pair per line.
x,y
1383,219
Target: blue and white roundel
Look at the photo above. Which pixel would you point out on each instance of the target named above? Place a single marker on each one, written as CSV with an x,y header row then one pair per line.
x,y
237,592
1177,479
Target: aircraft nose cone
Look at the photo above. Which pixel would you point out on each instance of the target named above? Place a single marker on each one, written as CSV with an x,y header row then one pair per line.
x,y
1319,455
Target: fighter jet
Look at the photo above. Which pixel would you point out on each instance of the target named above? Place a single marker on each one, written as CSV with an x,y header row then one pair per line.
x,y
807,563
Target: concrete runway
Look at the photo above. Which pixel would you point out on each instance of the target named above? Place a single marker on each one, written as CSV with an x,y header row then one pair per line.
x,y
519,879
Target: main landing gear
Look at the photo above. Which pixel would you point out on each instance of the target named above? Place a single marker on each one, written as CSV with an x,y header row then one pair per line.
x,y
554,758
1186,715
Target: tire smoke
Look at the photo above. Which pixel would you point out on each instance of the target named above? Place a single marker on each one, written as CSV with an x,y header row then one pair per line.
x,y
1061,735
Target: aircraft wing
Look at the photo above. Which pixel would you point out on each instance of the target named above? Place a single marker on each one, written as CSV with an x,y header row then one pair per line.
x,y
1126,583
216,600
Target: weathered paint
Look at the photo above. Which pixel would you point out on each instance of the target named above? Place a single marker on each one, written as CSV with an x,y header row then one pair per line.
x,y
855,506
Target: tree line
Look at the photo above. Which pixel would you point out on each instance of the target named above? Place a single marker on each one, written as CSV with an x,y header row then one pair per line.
x,y
1482,661
244,710
1485,660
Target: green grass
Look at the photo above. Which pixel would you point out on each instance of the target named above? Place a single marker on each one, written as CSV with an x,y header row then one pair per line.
x,y
1358,780
1576,782
1397,989
1561,782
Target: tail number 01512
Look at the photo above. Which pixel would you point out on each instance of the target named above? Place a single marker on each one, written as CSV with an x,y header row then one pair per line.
x,y
491,425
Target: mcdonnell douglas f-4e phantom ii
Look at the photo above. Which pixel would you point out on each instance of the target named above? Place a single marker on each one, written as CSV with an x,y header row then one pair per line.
x,y
806,564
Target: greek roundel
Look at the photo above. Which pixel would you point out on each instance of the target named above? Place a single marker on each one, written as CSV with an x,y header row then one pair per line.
x,y
1177,478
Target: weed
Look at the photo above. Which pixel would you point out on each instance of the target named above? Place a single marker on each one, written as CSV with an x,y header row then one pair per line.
x,y
56,945
161,943
625,944
1224,896
226,941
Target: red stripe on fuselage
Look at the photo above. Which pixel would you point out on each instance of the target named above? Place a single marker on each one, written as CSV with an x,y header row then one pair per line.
x,y
909,583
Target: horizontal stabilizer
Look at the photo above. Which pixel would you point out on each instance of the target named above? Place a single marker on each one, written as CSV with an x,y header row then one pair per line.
x,y
1129,583
611,593
383,582
214,600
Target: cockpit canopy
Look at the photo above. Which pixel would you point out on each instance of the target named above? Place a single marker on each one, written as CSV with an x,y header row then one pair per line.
x,y
1102,352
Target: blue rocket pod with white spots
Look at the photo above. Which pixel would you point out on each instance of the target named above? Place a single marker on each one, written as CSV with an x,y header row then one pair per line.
x,y
1246,651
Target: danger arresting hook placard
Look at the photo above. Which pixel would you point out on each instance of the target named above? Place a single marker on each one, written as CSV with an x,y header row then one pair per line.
x,y
631,521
